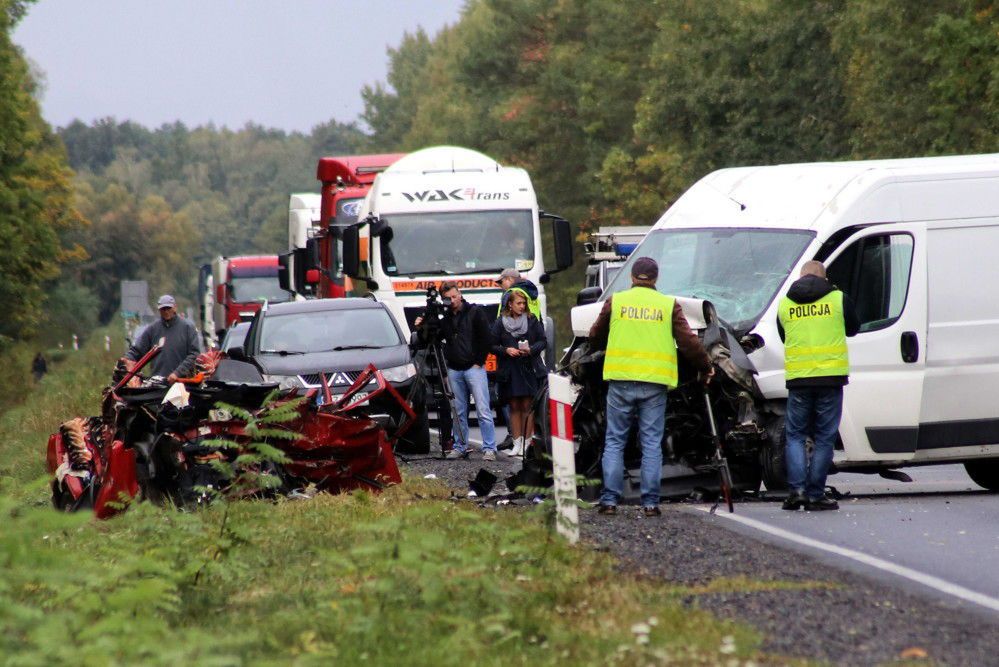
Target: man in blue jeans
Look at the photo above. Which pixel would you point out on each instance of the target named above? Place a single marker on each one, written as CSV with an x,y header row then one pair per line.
x,y
466,335
642,331
814,320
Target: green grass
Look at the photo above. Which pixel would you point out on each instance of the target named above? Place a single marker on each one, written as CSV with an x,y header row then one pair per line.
x,y
405,577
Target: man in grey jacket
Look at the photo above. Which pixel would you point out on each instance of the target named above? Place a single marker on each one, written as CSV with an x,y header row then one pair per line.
x,y
180,347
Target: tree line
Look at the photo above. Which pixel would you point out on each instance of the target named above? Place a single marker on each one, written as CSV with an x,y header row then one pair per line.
x,y
614,107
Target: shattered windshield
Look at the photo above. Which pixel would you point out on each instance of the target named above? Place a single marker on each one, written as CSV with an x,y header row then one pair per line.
x,y
458,242
737,270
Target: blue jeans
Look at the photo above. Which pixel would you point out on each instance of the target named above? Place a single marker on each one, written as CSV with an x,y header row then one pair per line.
x,y
811,412
472,382
625,400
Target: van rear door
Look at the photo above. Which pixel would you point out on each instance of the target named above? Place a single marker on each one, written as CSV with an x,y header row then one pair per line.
x,y
883,269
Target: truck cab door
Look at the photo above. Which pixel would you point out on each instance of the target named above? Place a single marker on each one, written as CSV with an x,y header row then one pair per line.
x,y
883,270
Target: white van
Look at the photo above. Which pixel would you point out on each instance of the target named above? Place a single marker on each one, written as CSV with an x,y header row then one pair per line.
x,y
914,242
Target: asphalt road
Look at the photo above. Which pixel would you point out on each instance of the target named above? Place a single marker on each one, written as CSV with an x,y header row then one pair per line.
x,y
938,533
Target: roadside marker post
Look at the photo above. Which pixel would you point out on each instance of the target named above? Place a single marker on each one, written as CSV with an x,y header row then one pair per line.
x,y
561,396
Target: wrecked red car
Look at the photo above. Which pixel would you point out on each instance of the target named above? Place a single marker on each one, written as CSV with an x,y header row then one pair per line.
x,y
187,442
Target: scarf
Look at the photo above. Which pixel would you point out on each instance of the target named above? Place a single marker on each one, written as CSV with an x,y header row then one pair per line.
x,y
515,326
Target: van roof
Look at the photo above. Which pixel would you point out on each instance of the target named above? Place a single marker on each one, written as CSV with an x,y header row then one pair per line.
x,y
819,195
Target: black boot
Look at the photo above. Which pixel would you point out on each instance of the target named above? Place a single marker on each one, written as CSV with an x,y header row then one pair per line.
x,y
507,442
821,505
794,501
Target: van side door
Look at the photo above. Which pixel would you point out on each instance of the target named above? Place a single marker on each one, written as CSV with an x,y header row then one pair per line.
x,y
960,412
883,270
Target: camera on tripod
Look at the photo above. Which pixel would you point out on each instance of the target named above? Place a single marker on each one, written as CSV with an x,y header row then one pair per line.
x,y
437,307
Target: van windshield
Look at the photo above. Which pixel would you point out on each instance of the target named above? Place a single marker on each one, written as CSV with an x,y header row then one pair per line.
x,y
458,242
737,270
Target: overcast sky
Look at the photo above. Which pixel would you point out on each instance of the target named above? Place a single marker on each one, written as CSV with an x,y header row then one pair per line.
x,y
287,64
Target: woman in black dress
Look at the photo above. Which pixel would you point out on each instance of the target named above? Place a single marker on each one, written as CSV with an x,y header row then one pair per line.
x,y
518,343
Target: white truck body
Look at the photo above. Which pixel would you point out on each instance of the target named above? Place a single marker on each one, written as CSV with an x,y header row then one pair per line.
x,y
457,215
303,218
915,244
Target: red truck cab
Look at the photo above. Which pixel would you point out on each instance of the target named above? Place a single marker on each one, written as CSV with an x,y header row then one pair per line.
x,y
345,182
242,284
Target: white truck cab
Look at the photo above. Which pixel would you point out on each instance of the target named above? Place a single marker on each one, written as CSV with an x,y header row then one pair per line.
x,y
450,213
914,242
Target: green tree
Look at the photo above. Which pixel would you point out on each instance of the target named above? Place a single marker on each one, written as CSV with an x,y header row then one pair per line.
x,y
36,204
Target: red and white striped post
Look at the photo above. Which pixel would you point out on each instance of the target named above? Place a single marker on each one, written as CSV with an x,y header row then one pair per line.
x,y
561,396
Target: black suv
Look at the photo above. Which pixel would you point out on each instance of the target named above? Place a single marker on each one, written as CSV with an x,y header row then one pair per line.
x,y
292,343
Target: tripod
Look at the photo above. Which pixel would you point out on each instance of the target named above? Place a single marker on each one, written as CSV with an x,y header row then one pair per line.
x,y
447,414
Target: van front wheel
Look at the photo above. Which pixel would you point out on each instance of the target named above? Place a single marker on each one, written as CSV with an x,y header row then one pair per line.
x,y
984,473
772,456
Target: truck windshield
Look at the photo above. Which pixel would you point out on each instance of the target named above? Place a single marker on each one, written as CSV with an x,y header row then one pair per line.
x,y
737,270
258,288
323,331
458,242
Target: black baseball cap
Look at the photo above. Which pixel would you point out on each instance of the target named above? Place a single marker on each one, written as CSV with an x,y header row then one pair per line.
x,y
645,268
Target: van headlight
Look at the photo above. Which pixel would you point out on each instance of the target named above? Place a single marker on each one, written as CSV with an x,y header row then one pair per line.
x,y
285,382
398,374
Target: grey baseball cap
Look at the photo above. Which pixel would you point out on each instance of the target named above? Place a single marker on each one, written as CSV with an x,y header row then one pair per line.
x,y
509,273
166,301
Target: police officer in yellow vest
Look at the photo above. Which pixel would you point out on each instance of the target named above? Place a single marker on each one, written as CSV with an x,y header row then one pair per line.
x,y
642,331
814,321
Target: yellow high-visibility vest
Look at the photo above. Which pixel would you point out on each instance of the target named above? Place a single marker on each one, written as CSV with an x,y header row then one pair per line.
x,y
814,337
641,345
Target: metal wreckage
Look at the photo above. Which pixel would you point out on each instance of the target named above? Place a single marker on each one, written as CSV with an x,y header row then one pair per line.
x,y
157,442
718,439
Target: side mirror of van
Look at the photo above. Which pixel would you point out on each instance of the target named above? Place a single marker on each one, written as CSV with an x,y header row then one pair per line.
x,y
562,234
237,353
352,250
588,295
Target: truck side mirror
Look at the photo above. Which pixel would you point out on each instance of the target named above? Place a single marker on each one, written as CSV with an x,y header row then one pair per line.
x,y
286,264
352,250
311,255
562,234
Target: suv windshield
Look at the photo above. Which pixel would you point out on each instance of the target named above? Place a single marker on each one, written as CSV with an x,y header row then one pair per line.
x,y
258,288
458,242
737,270
321,331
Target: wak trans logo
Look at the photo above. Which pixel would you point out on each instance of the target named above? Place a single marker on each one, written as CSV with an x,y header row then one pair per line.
x,y
458,194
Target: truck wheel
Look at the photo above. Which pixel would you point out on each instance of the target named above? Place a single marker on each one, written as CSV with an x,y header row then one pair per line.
x,y
984,473
772,457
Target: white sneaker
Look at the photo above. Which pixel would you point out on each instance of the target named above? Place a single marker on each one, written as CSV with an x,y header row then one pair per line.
x,y
489,455
517,449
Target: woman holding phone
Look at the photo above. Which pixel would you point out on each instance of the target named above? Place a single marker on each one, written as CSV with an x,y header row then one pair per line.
x,y
518,343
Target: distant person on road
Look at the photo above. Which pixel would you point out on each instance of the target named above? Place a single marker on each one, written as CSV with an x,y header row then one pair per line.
x,y
518,341
642,330
814,321
467,340
39,367
180,348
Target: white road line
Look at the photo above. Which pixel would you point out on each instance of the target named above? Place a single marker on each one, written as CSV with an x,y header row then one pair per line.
x,y
935,583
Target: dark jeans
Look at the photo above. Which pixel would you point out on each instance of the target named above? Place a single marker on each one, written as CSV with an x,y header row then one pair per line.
x,y
811,412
